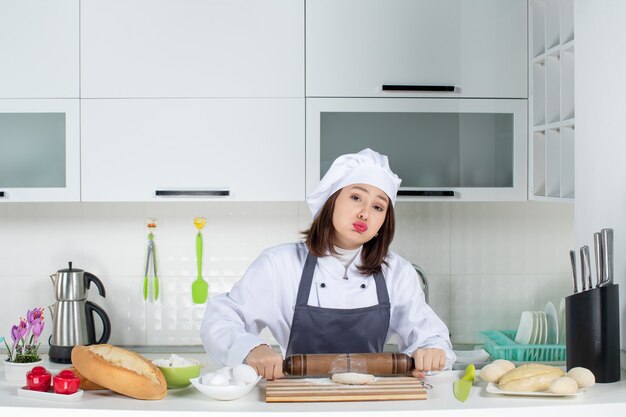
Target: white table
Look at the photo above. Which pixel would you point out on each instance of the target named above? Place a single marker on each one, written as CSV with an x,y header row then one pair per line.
x,y
600,400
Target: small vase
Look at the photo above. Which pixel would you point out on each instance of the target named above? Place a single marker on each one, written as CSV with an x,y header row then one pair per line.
x,y
16,372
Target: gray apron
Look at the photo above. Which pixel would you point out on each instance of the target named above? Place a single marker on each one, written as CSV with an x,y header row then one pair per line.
x,y
335,330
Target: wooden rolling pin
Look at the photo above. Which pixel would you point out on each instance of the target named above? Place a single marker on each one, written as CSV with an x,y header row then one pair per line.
x,y
335,363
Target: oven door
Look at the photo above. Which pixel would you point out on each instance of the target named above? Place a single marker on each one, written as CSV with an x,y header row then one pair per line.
x,y
443,149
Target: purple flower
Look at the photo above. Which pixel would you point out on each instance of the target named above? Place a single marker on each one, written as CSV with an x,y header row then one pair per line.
x,y
34,316
18,332
35,322
37,329
25,350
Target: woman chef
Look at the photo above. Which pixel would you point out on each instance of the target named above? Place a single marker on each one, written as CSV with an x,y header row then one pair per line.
x,y
339,291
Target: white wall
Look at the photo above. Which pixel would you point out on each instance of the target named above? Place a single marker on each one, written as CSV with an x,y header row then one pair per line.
x,y
486,261
600,134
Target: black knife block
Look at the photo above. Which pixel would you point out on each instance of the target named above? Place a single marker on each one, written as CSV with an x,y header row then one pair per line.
x,y
592,326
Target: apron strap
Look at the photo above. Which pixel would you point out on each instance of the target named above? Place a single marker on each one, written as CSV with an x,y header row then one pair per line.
x,y
306,279
381,288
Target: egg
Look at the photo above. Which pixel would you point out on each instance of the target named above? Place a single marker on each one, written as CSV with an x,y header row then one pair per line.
x,y
219,379
237,382
244,373
204,379
227,371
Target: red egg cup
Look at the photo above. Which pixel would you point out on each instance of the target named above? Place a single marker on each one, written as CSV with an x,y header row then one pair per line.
x,y
38,379
66,382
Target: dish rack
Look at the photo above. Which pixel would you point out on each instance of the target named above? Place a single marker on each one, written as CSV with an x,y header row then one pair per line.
x,y
501,345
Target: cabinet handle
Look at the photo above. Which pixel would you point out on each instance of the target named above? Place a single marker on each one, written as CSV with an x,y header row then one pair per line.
x,y
438,88
421,193
192,193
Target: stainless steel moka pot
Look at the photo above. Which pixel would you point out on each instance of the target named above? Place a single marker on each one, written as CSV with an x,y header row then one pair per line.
x,y
73,315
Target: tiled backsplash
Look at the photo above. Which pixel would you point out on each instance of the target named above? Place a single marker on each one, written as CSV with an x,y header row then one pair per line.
x,y
486,262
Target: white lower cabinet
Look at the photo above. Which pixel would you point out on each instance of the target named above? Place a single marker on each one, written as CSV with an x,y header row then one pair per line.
x,y
181,149
39,150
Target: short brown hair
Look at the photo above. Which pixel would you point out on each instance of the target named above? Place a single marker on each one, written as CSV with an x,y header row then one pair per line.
x,y
320,235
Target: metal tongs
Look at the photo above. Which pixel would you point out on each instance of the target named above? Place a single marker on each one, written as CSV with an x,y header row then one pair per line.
x,y
152,224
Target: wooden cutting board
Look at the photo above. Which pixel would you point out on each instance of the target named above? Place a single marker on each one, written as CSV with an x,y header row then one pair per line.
x,y
324,390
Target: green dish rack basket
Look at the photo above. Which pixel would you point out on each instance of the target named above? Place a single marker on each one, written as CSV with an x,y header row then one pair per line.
x,y
500,344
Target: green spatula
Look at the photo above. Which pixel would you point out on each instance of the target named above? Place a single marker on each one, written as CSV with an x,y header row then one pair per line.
x,y
199,288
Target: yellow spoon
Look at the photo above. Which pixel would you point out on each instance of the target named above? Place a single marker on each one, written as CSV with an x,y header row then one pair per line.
x,y
199,288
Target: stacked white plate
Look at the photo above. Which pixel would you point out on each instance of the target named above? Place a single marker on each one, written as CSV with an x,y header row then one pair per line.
x,y
562,323
539,327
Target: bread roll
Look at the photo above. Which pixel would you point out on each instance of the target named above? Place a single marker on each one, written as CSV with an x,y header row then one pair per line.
x,y
120,370
508,365
530,378
583,376
492,372
564,385
85,384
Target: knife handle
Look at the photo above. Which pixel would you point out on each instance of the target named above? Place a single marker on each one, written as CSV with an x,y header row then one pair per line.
x,y
333,363
587,266
598,252
583,269
572,258
607,245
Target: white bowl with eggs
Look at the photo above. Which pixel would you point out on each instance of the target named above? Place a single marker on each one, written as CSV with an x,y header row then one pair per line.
x,y
227,383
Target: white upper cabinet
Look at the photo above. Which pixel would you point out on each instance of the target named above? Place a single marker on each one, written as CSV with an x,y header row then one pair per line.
x,y
192,48
39,150
39,49
477,48
181,149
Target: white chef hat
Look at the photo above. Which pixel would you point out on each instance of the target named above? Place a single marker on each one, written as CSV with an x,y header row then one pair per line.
x,y
366,167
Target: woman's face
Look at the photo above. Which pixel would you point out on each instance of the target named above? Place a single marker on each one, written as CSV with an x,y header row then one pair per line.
x,y
360,211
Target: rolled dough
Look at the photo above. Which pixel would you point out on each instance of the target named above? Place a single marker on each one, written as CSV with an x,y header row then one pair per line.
x,y
352,378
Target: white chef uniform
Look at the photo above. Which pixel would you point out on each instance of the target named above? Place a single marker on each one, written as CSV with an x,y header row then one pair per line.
x,y
266,297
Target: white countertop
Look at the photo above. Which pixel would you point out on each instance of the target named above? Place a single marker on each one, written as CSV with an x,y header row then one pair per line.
x,y
601,399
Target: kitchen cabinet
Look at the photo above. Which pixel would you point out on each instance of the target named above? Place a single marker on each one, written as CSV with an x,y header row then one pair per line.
x,y
552,118
478,47
444,149
192,48
39,150
39,49
177,149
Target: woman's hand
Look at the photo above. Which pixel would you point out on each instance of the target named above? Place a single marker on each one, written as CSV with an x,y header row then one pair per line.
x,y
430,359
267,363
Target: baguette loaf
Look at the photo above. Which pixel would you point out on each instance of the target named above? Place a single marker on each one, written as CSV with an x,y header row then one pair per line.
x,y
530,378
120,370
85,384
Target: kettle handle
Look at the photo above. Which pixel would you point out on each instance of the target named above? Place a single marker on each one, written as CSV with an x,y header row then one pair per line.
x,y
106,323
89,278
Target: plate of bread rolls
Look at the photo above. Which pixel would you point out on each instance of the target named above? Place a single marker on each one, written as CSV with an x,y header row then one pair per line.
x,y
535,379
493,389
